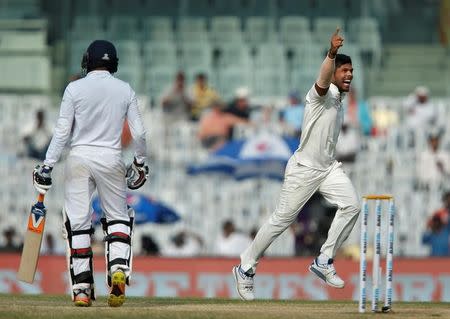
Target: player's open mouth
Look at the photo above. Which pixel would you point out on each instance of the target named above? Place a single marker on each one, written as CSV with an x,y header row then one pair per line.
x,y
347,82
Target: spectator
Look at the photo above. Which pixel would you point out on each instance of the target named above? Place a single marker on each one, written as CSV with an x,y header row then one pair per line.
x,y
216,126
358,114
202,95
433,164
184,244
10,246
421,114
444,212
36,137
348,144
50,246
175,100
311,225
231,241
240,106
149,246
127,143
437,234
291,117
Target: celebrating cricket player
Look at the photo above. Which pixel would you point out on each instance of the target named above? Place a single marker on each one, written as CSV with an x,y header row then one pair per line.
x,y
312,168
92,115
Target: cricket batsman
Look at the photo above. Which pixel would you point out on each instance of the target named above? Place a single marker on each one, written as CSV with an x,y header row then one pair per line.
x,y
92,115
312,168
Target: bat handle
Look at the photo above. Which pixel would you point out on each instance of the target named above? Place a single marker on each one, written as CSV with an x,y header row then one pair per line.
x,y
41,198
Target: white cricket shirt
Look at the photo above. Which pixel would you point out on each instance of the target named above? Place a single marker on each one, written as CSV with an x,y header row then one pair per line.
x,y
320,129
93,111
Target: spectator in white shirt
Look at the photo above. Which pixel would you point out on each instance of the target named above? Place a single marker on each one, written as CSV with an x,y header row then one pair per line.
x,y
420,111
230,242
183,244
433,164
36,137
348,144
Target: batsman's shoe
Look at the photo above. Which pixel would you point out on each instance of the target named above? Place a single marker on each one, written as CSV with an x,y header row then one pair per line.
x,y
82,297
116,296
327,273
244,283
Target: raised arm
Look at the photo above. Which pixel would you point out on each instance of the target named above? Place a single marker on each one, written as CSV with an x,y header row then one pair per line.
x,y
327,69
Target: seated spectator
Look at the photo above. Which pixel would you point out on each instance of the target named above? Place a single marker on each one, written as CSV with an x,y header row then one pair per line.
x,y
291,117
437,235
421,113
149,246
230,242
10,245
444,212
240,106
37,137
184,244
127,143
216,126
310,228
348,144
201,95
50,246
175,100
357,113
433,164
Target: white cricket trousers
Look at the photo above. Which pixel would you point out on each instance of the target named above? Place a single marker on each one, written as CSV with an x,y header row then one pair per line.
x,y
300,183
89,168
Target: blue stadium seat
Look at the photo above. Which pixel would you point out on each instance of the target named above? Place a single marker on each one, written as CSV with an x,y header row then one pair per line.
x,y
268,82
157,23
123,27
196,55
160,54
230,78
225,29
88,24
257,30
157,79
191,24
271,54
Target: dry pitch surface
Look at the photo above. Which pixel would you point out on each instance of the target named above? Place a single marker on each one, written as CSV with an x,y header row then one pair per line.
x,y
44,306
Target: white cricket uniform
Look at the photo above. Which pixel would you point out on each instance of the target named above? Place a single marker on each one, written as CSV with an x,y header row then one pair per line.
x,y
93,111
312,168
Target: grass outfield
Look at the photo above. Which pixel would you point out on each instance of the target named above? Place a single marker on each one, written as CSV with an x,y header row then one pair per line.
x,y
44,306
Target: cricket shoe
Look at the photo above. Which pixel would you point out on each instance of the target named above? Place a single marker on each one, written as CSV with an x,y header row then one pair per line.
x,y
82,297
116,296
244,283
327,273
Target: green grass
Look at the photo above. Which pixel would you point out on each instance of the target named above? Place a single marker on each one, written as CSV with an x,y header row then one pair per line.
x,y
45,306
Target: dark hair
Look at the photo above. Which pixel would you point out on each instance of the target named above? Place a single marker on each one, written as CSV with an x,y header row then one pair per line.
x,y
201,76
342,59
180,75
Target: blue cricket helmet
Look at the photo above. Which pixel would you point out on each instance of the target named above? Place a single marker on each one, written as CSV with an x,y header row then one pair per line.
x,y
100,53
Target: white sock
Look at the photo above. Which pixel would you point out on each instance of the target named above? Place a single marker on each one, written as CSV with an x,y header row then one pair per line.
x,y
322,259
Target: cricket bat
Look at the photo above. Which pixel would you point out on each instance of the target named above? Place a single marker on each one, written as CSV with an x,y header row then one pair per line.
x,y
32,242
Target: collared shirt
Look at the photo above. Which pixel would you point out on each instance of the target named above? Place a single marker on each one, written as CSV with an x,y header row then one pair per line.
x,y
320,129
93,111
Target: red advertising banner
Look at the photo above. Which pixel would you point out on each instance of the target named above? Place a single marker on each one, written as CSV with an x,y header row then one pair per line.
x,y
277,278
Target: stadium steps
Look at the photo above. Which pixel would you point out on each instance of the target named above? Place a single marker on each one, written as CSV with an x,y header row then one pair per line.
x,y
407,66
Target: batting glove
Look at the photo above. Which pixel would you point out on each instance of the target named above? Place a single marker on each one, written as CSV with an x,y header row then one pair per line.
x,y
137,174
42,178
